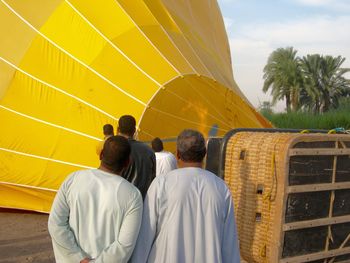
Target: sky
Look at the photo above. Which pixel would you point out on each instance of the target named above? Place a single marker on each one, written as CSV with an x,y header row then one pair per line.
x,y
256,28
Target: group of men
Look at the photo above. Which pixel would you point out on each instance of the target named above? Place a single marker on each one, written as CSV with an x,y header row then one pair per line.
x,y
123,212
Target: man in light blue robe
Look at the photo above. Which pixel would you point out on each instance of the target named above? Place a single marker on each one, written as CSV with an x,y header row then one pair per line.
x,y
96,214
188,213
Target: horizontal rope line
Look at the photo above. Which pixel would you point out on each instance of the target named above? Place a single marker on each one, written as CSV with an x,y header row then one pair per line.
x,y
50,124
70,55
29,186
45,158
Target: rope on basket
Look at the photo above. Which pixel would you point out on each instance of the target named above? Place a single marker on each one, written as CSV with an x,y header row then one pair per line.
x,y
268,197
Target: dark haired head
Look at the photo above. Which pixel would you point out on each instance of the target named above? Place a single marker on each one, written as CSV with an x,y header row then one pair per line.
x,y
108,130
115,153
191,146
157,145
127,125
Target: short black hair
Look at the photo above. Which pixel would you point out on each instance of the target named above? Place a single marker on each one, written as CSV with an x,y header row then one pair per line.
x,y
127,125
108,130
157,145
191,146
115,153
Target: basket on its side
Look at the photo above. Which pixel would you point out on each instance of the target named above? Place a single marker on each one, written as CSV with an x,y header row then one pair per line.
x,y
291,194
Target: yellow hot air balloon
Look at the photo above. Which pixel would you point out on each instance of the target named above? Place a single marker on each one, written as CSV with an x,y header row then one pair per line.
x,y
69,67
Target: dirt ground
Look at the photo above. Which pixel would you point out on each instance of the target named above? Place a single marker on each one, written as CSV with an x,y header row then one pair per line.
x,y
24,237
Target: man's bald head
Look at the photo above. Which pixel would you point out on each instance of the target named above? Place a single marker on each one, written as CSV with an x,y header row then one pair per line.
x,y
191,146
115,153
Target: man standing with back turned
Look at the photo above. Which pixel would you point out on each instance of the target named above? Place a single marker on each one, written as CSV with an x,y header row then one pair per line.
x,y
142,168
96,214
166,161
188,213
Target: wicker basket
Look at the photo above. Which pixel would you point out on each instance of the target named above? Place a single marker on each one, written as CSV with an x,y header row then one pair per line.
x,y
291,194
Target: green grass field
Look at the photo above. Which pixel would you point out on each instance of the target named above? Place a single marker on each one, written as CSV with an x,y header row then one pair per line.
x,y
303,120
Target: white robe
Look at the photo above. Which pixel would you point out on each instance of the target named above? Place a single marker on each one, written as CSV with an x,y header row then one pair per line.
x,y
188,217
97,215
166,162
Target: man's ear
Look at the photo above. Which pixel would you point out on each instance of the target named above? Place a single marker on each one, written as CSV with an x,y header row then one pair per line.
x,y
177,155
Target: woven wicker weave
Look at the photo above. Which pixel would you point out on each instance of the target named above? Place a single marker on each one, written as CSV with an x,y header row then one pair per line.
x,y
256,171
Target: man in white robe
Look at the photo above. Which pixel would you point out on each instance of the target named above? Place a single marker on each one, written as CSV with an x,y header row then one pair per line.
x,y
188,213
165,160
96,214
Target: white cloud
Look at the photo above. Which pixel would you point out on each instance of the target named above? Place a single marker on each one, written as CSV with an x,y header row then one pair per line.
x,y
315,2
252,44
339,5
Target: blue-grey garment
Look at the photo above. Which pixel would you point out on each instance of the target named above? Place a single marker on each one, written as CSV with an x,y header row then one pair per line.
x,y
97,215
188,217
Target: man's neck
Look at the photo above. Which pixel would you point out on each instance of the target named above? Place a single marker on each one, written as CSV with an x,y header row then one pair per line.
x,y
106,169
183,164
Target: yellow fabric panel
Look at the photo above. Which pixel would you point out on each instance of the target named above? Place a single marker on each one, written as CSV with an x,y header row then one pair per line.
x,y
5,77
36,200
15,40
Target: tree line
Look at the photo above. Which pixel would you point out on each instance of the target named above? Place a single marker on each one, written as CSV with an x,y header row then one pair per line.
x,y
313,83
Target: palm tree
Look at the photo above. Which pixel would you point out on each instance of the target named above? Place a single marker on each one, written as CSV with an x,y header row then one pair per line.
x,y
282,75
324,82
310,92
